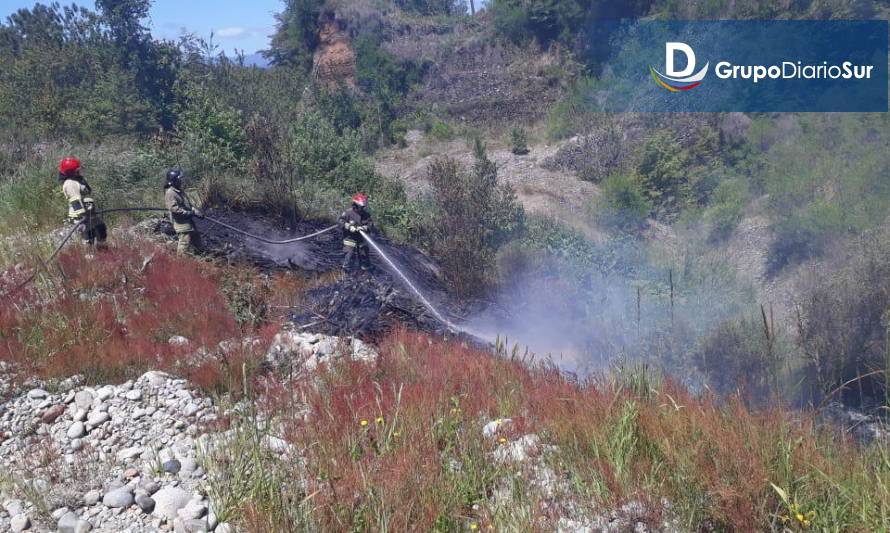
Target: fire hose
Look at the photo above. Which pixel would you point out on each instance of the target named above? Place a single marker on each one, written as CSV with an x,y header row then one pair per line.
x,y
143,209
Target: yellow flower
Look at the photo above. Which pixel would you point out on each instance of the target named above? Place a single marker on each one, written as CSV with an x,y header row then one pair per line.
x,y
799,517
502,440
379,420
474,526
363,423
806,523
396,434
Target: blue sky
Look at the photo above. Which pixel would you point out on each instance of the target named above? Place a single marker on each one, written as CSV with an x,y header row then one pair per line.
x,y
236,24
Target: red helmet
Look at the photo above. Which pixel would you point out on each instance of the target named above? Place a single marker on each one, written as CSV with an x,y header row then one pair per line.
x,y
69,166
360,199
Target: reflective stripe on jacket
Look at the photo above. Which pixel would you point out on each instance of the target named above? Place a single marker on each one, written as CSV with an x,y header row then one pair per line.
x,y
77,193
352,218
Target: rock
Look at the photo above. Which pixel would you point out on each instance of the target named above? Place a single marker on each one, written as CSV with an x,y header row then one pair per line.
x,y
150,486
146,503
169,500
178,340
134,395
188,466
105,393
83,400
495,426
189,526
518,450
20,523
173,466
91,498
76,430
155,378
80,415
71,523
223,527
37,394
193,510
190,410
50,415
129,453
130,473
97,418
118,499
14,507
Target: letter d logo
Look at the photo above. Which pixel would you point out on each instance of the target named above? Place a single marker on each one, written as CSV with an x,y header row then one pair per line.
x,y
680,80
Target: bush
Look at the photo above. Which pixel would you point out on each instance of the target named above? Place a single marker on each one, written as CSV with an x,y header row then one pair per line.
x,y
739,354
844,320
519,140
725,208
474,218
624,200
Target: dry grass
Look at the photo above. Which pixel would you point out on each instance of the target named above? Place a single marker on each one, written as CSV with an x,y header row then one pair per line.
x,y
398,446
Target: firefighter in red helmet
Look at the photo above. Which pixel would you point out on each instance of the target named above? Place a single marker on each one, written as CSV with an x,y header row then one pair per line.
x,y
354,222
81,206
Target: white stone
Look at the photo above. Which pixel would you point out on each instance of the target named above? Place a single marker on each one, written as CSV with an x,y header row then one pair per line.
x,y
76,430
492,428
168,502
134,395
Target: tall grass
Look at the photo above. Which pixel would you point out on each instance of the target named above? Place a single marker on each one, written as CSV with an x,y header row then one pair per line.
x,y
398,446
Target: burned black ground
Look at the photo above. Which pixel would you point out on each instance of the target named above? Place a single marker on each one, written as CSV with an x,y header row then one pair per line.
x,y
361,303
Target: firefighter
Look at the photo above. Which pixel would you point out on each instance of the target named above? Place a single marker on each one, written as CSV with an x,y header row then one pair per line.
x,y
81,206
352,222
182,214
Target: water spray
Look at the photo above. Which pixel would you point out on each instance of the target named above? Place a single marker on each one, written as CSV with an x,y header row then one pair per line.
x,y
423,299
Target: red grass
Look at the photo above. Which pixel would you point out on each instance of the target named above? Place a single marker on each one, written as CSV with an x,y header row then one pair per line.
x,y
421,387
111,317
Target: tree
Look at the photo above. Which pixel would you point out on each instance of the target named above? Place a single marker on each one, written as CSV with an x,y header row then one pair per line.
x,y
475,217
296,35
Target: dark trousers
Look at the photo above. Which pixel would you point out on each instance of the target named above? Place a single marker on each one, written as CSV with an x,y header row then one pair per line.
x,y
92,230
357,256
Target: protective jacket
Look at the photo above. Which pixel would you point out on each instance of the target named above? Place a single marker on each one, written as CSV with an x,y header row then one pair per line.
x,y
79,196
351,221
181,210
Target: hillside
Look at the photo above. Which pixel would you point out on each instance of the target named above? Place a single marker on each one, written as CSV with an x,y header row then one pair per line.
x,y
569,320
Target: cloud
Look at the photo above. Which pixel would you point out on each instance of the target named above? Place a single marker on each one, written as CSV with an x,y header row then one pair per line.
x,y
231,33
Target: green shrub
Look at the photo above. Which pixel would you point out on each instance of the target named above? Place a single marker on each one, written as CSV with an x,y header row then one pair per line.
x,y
725,208
664,171
475,218
440,130
741,353
519,141
625,201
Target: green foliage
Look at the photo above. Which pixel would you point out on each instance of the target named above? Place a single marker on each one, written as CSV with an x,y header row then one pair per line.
x,y
519,141
433,7
475,217
573,112
725,207
664,172
844,319
75,72
625,200
211,135
737,354
296,35
826,179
